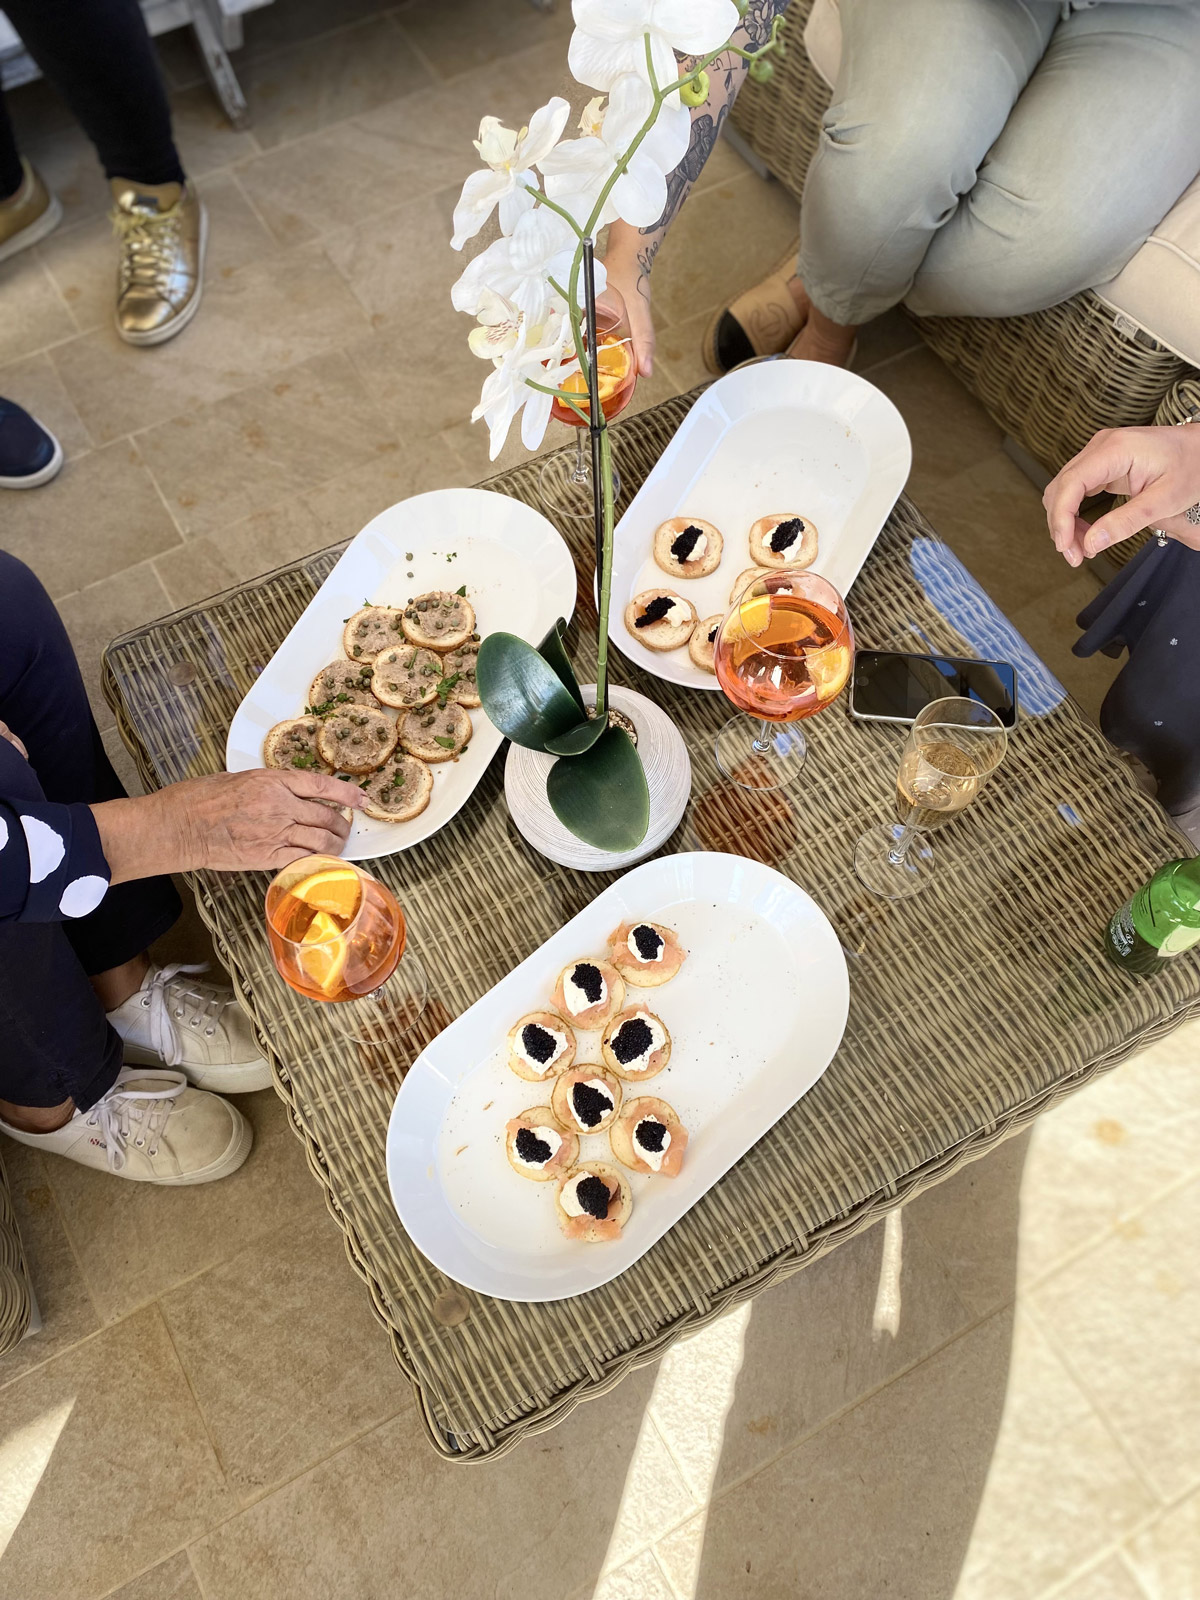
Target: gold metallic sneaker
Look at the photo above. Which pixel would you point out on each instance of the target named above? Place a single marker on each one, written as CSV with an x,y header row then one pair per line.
x,y
163,229
28,215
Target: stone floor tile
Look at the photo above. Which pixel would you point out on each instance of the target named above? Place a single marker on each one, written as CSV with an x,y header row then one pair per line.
x,y
1166,1555
264,540
67,1312
725,239
401,267
34,313
358,170
172,1579
992,517
1026,1539
887,337
122,761
1111,1580
275,27
476,33
83,260
135,1241
809,1351
1099,1157
1125,1316
639,1579
532,1526
881,1501
259,447
284,1355
33,383
972,1222
302,89
951,432
204,135
67,161
267,315
344,505
95,616
1050,627
106,492
677,351
108,1461
394,365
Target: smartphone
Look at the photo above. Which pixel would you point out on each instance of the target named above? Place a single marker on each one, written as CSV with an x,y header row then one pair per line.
x,y
890,687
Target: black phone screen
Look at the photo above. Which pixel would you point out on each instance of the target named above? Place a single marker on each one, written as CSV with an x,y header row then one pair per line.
x,y
887,684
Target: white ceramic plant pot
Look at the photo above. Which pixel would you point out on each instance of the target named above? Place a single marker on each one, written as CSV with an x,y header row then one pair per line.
x,y
668,776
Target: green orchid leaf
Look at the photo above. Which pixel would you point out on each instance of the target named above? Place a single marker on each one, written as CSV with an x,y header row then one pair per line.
x,y
576,740
553,650
602,796
522,693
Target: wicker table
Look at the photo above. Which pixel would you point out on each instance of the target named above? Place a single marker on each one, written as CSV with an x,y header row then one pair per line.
x,y
974,1006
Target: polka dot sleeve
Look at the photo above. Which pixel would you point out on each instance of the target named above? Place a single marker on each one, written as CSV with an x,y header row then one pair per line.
x,y
51,864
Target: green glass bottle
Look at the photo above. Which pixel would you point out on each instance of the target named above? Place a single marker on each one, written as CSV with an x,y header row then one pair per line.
x,y
1161,920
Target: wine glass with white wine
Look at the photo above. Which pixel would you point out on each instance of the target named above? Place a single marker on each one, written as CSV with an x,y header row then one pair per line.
x,y
953,747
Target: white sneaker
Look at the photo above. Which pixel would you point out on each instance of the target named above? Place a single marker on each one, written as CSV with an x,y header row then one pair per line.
x,y
175,1020
151,1127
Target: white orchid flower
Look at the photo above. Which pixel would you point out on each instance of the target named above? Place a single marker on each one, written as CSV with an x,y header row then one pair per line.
x,y
609,37
499,326
537,355
507,177
520,268
591,118
576,170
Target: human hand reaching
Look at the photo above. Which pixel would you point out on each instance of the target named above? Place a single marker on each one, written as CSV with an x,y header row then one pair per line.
x,y
227,822
1157,467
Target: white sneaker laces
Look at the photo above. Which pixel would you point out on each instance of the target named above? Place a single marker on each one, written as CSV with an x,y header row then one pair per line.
x,y
140,1114
175,1005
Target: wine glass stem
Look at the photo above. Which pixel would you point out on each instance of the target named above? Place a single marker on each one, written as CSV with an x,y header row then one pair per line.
x,y
763,744
899,850
580,474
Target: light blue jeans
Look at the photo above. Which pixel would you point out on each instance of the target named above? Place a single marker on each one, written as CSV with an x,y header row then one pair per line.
x,y
986,158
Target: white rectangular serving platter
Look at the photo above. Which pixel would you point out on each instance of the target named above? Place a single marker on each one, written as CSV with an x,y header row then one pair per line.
x,y
755,1016
519,576
796,436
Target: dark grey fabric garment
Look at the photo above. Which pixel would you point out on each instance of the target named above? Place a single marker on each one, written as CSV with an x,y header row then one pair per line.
x,y
1152,609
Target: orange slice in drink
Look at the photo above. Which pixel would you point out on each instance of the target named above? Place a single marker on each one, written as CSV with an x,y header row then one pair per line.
x,y
334,889
754,614
614,362
323,951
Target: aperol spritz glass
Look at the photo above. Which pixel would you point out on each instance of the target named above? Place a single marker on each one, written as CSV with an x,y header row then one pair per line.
x,y
338,936
566,481
782,653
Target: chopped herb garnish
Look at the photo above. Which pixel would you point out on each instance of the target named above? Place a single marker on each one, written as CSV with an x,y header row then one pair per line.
x,y
446,743
303,761
461,591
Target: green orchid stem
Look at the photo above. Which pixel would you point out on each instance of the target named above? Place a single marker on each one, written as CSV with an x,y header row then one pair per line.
x,y
544,388
584,350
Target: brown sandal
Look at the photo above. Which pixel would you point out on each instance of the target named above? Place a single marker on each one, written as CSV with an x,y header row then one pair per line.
x,y
762,321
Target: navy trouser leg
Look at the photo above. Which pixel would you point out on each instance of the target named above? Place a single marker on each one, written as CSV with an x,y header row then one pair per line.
x,y
54,1040
99,57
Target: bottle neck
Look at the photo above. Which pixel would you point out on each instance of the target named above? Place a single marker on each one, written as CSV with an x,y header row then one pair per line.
x,y
1185,880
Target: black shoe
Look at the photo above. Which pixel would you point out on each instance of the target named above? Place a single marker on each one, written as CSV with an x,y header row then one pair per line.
x,y
29,454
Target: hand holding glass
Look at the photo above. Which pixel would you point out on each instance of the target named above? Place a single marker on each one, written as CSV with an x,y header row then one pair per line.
x,y
953,746
566,485
783,652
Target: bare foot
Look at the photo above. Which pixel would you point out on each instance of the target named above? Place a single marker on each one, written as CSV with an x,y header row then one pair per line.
x,y
820,338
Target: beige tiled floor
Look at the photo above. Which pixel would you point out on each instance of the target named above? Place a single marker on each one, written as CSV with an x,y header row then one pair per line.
x,y
210,1412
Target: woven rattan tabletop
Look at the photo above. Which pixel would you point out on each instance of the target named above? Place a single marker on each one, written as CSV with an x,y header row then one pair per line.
x,y
974,1005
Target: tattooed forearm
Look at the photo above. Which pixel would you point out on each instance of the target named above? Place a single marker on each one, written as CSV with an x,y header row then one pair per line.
x,y
726,76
